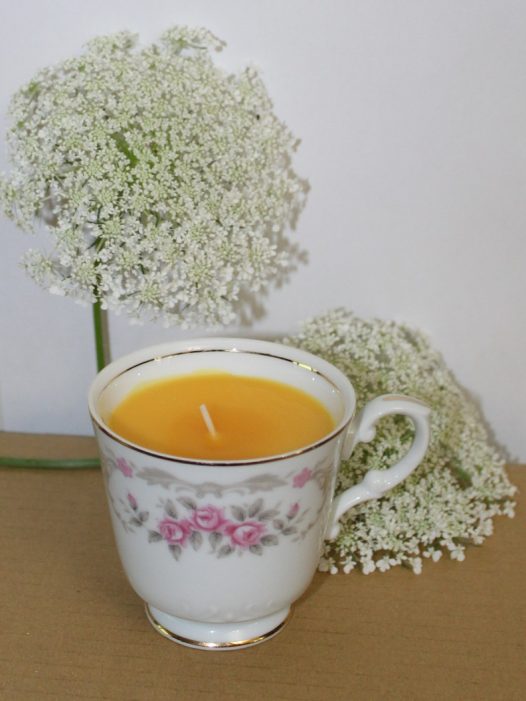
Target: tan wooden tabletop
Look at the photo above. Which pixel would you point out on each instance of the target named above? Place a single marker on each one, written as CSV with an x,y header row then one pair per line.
x,y
72,628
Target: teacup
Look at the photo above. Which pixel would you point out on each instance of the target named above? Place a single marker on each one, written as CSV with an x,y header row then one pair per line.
x,y
219,551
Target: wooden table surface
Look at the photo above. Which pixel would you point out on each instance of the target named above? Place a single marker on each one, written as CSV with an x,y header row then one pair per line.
x,y
72,628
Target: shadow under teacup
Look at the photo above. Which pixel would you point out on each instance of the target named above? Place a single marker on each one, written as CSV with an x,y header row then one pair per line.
x,y
220,549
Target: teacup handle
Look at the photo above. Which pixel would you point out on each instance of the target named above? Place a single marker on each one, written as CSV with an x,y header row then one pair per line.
x,y
362,430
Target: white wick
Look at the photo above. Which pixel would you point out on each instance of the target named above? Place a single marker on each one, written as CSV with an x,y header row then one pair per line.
x,y
208,420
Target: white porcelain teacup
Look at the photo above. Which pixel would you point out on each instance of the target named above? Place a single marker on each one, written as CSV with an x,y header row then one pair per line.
x,y
220,551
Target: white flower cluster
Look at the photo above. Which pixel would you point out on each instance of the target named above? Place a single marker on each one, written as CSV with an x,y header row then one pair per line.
x,y
452,497
166,183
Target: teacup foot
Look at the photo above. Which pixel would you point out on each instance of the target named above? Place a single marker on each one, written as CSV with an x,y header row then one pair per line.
x,y
217,636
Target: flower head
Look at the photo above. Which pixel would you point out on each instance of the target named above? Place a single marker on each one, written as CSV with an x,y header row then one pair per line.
x,y
245,534
460,485
124,467
175,532
208,518
165,182
301,478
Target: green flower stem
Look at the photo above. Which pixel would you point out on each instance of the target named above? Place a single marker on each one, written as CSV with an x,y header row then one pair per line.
x,y
49,463
100,329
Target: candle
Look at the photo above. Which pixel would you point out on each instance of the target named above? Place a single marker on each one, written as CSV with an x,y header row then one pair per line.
x,y
250,417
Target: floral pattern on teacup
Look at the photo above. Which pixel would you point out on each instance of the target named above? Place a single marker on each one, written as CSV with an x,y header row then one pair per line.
x,y
301,478
123,466
155,476
250,527
190,520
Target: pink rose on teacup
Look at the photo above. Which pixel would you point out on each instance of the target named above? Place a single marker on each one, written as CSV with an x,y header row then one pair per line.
x,y
301,479
245,534
175,532
124,467
208,518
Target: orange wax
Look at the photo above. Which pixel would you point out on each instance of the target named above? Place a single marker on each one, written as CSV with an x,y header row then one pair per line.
x,y
253,417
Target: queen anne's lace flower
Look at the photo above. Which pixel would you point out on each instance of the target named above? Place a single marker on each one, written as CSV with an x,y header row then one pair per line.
x,y
165,182
452,497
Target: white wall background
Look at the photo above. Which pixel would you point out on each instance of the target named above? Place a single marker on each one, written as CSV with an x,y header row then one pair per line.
x,y
412,117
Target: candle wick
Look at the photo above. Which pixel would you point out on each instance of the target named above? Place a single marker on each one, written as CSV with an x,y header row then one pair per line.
x,y
208,420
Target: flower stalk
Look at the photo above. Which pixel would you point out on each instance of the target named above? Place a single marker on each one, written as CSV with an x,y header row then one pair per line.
x,y
101,335
49,464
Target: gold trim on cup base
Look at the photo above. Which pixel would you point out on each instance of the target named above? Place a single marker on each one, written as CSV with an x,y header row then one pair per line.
x,y
207,645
